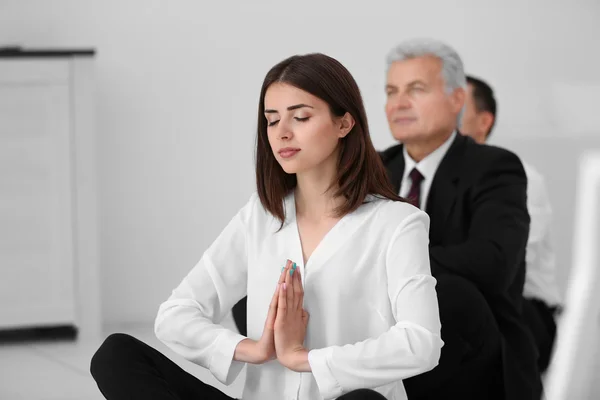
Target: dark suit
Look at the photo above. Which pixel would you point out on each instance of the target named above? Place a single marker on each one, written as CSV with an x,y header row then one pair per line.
x,y
478,233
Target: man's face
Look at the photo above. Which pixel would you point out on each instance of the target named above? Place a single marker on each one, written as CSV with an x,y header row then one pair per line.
x,y
418,107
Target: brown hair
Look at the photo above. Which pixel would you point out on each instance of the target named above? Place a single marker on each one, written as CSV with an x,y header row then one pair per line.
x,y
360,169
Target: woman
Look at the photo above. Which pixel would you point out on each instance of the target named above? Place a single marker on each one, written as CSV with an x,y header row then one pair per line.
x,y
334,264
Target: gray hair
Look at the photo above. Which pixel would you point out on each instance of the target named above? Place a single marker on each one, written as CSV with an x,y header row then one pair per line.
x,y
452,66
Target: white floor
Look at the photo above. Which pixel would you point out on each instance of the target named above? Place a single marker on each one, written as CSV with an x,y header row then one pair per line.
x,y
60,370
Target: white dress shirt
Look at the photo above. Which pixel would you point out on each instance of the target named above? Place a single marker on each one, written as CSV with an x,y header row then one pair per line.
x,y
427,167
374,316
540,279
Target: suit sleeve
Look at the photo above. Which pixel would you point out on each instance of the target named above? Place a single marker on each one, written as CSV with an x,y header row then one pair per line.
x,y
498,229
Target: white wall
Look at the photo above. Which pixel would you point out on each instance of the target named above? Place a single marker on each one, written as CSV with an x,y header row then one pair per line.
x,y
178,84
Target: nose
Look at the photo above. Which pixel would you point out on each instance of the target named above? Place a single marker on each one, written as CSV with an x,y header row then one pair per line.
x,y
398,102
284,131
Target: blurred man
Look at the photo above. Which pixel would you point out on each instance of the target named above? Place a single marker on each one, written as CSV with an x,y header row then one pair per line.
x,y
475,196
541,291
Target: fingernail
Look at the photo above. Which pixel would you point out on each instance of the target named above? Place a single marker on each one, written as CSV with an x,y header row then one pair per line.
x,y
294,266
291,271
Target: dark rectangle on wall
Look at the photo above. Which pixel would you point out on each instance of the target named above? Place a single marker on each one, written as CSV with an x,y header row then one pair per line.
x,y
20,52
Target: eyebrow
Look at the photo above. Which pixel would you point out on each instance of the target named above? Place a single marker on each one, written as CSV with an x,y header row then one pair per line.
x,y
409,84
417,82
290,108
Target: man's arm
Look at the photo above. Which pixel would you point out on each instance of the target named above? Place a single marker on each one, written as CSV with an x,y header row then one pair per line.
x,y
498,230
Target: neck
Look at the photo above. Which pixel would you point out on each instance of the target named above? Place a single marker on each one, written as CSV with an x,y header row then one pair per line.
x,y
421,149
314,199
480,137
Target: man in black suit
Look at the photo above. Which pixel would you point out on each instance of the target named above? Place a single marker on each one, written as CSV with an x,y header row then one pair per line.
x,y
475,196
541,296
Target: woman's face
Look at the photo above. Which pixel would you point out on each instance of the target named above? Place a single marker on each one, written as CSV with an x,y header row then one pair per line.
x,y
302,132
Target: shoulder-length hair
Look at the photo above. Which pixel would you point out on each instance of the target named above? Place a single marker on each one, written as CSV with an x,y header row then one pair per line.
x,y
360,170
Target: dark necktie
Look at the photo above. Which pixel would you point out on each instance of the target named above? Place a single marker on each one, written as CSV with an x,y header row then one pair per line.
x,y
414,195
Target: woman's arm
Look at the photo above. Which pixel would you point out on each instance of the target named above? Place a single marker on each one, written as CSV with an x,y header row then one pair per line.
x,y
410,347
248,351
188,322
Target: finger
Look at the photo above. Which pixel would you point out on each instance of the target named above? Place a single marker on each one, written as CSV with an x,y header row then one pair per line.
x,y
275,294
298,290
272,314
282,301
301,291
285,271
289,281
305,316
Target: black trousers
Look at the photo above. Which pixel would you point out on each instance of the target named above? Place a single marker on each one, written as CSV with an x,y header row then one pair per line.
x,y
539,318
470,365
126,368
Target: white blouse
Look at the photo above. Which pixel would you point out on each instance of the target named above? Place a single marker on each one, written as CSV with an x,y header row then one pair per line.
x,y
374,316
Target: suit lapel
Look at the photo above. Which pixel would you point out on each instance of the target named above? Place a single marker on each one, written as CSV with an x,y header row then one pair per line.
x,y
444,188
393,159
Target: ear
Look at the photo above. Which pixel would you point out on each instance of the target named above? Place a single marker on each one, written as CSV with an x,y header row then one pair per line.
x,y
486,120
457,99
345,125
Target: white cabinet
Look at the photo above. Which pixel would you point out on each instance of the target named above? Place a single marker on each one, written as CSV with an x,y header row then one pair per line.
x,y
48,227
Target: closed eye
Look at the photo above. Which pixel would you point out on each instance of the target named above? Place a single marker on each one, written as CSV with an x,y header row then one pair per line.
x,y
296,118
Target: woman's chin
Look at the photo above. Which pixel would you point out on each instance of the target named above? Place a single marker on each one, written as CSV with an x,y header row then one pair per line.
x,y
288,169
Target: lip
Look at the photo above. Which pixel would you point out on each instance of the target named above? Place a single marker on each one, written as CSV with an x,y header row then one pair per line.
x,y
403,120
288,152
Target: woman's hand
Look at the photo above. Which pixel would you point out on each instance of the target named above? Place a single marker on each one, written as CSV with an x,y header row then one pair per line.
x,y
291,322
263,350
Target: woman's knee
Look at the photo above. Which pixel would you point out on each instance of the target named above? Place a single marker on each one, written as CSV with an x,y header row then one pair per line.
x,y
111,353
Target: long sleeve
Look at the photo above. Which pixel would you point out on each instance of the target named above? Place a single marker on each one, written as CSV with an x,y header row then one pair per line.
x,y
540,212
540,280
410,347
188,321
498,228
538,205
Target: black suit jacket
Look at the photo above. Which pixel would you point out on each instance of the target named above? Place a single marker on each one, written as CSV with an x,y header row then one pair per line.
x,y
479,227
